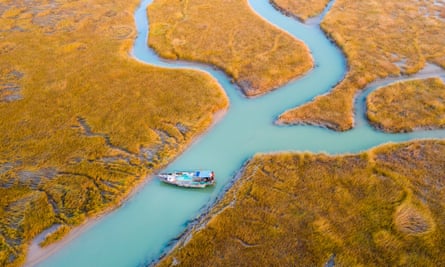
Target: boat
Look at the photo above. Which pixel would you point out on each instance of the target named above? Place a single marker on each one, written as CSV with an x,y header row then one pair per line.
x,y
193,179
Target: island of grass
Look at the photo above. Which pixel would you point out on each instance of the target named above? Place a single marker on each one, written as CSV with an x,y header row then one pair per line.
x,y
407,106
380,38
300,9
384,207
227,34
81,121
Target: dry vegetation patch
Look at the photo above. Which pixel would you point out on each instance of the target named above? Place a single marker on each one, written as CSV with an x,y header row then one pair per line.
x,y
410,220
379,208
406,106
9,85
229,35
300,9
81,123
380,38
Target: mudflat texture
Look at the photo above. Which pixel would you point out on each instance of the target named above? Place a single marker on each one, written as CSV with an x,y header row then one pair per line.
x,y
300,9
380,38
407,106
383,207
81,122
229,35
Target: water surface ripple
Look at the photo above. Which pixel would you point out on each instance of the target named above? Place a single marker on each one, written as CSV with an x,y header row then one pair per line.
x,y
139,231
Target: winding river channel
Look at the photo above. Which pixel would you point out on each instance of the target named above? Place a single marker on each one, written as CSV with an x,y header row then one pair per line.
x,y
141,230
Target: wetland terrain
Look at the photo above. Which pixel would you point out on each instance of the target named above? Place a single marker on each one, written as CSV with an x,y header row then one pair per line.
x,y
89,112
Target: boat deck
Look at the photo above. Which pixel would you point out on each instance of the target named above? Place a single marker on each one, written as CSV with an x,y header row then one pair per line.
x,y
195,179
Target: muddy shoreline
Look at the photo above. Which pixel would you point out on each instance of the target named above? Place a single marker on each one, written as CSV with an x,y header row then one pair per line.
x,y
37,254
205,215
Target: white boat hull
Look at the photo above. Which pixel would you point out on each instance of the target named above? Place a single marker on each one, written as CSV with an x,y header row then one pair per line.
x,y
195,179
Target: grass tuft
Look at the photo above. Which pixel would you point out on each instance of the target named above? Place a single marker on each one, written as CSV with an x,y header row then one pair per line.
x,y
410,220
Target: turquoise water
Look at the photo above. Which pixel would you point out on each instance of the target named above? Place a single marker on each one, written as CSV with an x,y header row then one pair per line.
x,y
139,231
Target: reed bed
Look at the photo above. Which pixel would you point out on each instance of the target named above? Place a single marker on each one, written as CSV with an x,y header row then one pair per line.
x,y
380,39
227,34
81,121
383,207
300,9
407,106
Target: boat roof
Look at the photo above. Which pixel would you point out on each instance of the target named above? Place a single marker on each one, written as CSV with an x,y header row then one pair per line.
x,y
204,173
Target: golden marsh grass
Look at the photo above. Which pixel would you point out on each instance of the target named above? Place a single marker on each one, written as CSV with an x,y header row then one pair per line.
x,y
81,122
383,207
227,34
380,38
300,9
406,106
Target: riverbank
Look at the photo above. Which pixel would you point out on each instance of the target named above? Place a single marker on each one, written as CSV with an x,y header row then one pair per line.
x,y
256,55
205,215
428,72
36,254
372,53
379,207
74,138
302,10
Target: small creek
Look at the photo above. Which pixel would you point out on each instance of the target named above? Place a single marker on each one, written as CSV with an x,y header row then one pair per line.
x,y
141,230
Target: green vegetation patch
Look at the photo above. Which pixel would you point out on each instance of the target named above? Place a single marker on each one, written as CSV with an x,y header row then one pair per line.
x,y
81,122
380,38
406,106
379,208
228,35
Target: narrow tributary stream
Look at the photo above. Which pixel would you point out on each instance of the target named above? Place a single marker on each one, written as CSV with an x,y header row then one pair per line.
x,y
141,230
